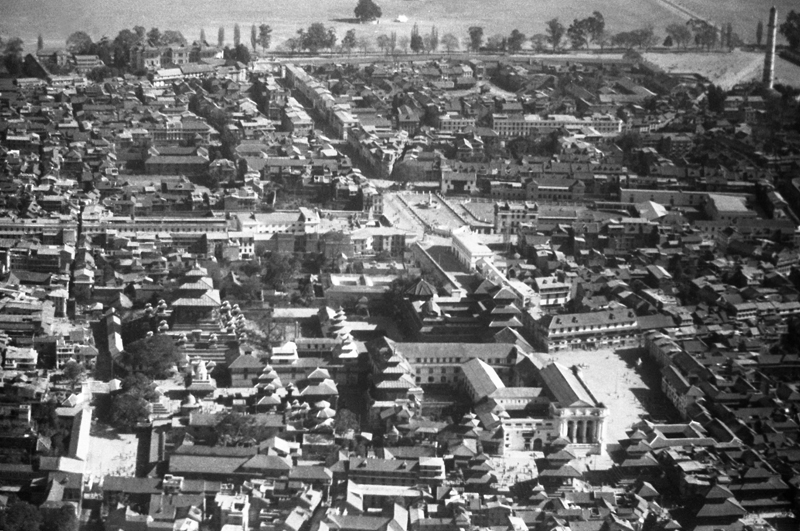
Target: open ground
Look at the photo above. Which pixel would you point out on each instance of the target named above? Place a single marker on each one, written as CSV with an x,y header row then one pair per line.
x,y
629,391
111,452
56,19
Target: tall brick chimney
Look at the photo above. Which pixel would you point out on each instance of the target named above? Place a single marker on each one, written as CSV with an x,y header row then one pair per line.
x,y
769,58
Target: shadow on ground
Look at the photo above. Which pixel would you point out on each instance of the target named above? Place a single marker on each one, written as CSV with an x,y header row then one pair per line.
x,y
104,431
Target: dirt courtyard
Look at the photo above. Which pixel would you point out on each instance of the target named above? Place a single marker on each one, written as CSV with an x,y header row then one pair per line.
x,y
111,452
628,390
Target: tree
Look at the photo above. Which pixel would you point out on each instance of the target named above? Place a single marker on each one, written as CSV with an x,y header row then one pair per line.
x,y
63,519
595,26
349,40
578,34
279,270
648,36
432,40
705,35
475,37
716,98
253,37
383,43
202,36
237,35
496,43
264,36
668,42
555,32
404,42
129,407
172,37
364,44
12,57
539,42
791,29
221,36
21,516
450,42
154,37
367,10
317,37
73,372
603,39
127,411
13,46
759,32
681,35
79,43
233,429
417,45
122,45
152,356
239,53
729,35
292,44
346,420
516,40
39,43
140,386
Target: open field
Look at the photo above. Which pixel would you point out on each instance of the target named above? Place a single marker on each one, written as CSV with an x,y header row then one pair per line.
x,y
723,69
56,19
623,387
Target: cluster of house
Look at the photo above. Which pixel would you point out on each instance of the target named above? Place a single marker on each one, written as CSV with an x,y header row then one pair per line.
x,y
683,246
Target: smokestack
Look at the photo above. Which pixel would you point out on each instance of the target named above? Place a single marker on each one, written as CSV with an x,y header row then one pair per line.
x,y
769,58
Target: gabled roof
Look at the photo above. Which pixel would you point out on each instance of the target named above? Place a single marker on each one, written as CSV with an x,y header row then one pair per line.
x,y
565,387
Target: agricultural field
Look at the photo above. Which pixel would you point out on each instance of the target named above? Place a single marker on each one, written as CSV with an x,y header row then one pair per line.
x,y
56,19
726,69
723,69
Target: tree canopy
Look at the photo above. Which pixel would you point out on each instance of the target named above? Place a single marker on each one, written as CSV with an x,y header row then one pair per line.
x,y
21,516
279,270
264,36
129,407
367,10
345,420
79,43
63,519
234,429
349,40
791,29
417,44
450,42
555,32
475,37
681,35
516,40
317,37
73,372
152,356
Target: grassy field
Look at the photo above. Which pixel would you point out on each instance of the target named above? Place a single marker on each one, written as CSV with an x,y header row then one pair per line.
x,y
56,19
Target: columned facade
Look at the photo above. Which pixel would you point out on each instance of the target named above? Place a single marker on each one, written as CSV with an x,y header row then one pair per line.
x,y
582,427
